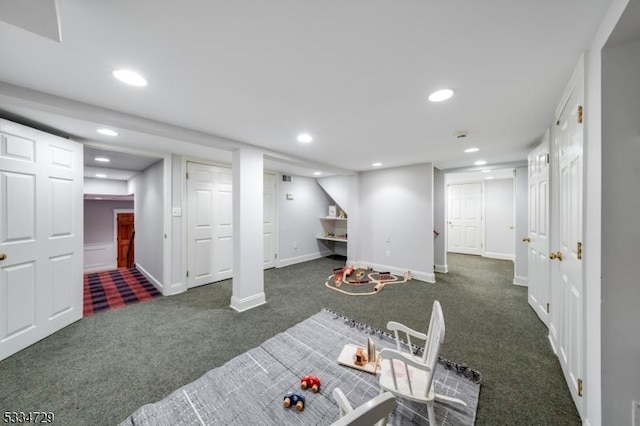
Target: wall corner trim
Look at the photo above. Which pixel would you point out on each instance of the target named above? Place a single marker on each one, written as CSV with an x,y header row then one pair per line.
x,y
247,303
523,281
443,269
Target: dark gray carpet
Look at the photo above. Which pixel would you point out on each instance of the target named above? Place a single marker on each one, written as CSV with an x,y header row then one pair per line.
x,y
101,369
248,390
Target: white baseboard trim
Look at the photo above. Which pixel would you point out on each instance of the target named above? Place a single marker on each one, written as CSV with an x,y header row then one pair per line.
x,y
99,257
553,346
157,284
429,277
443,269
100,268
501,256
304,258
247,303
176,288
523,281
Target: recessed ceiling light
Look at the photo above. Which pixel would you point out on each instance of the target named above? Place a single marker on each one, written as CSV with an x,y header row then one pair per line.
x,y
485,171
441,95
480,163
130,77
317,173
377,164
102,159
472,150
107,132
101,175
304,138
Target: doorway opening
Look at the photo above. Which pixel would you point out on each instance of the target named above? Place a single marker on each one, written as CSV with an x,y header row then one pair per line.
x,y
113,181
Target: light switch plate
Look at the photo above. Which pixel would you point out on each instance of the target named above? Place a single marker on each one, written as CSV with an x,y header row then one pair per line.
x,y
176,211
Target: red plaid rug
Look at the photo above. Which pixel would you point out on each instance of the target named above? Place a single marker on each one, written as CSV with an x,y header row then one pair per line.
x,y
108,290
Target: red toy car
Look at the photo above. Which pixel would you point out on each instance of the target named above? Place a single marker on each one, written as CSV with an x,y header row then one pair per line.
x,y
312,382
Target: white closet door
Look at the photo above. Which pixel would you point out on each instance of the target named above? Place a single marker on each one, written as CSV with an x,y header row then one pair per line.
x,y
269,221
41,235
567,314
200,225
465,218
538,235
210,223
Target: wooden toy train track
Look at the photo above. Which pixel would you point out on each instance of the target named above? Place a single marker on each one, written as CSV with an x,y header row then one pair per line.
x,y
353,277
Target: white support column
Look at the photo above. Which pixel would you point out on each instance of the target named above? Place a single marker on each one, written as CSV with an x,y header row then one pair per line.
x,y
248,240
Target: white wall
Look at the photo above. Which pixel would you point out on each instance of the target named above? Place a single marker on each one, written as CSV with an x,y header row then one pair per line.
x,y
148,189
396,220
521,266
298,220
105,186
499,219
338,187
595,395
620,231
98,219
439,221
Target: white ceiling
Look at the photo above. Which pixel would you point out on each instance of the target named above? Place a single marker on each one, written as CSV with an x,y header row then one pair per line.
x,y
355,74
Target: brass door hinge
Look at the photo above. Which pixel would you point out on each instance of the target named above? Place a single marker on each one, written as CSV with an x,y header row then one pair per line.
x,y
580,387
547,158
579,250
187,175
547,307
579,114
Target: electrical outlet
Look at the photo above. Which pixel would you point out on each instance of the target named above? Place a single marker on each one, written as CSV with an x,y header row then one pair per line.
x,y
635,413
388,253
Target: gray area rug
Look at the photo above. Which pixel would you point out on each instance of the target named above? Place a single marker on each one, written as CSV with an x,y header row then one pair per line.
x,y
248,390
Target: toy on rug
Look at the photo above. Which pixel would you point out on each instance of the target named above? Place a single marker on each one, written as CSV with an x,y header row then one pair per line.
x,y
312,382
363,276
360,358
295,399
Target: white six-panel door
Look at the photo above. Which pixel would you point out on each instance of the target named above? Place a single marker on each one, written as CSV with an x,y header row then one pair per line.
x,y
223,224
538,234
269,220
210,223
567,320
41,235
465,218
200,227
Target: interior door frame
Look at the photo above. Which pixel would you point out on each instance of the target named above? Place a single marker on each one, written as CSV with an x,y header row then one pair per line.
x,y
116,212
481,207
578,77
167,287
183,200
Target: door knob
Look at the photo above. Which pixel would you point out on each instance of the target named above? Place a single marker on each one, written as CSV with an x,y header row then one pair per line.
x,y
526,240
555,255
3,256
